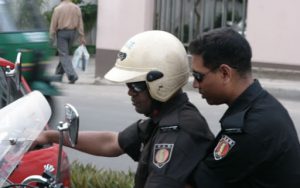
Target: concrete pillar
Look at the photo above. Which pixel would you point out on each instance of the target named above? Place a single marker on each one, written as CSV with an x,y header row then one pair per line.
x,y
118,20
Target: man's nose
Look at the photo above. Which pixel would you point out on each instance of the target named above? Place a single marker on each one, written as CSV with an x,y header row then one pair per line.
x,y
196,84
131,92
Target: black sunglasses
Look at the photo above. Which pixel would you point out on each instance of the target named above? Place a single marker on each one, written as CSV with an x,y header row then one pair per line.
x,y
200,76
137,86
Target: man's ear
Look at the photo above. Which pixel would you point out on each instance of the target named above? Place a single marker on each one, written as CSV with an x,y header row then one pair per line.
x,y
226,72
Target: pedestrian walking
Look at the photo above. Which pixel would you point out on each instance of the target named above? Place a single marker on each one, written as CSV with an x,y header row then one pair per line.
x,y
66,25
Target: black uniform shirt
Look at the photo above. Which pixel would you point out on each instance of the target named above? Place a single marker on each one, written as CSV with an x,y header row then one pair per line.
x,y
257,147
169,146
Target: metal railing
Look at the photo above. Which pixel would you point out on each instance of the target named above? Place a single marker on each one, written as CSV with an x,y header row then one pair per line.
x,y
187,19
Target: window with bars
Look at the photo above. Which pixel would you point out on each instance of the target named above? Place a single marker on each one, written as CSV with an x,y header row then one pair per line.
x,y
186,19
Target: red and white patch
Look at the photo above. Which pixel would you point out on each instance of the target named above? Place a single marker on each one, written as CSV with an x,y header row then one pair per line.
x,y
223,147
162,154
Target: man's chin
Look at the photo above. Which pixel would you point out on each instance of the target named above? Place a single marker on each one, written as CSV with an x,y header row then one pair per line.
x,y
210,102
203,97
138,110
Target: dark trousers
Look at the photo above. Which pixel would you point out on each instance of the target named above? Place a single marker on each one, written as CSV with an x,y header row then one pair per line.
x,y
65,39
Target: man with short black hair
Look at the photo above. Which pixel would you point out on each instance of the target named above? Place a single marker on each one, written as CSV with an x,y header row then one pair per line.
x,y
258,145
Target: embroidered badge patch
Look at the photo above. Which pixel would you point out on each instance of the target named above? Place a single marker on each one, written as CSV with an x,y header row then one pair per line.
x,y
162,154
223,147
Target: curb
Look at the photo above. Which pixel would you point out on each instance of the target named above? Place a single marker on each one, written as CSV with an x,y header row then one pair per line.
x,y
280,82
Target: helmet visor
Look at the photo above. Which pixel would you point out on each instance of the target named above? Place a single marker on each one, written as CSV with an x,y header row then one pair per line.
x,y
121,75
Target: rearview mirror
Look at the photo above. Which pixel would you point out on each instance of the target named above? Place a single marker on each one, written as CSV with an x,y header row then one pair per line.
x,y
71,127
17,71
72,118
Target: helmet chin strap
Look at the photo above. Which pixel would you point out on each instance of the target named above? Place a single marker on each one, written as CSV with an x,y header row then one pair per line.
x,y
155,104
155,108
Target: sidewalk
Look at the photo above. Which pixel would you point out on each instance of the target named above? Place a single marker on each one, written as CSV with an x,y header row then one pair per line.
x,y
281,83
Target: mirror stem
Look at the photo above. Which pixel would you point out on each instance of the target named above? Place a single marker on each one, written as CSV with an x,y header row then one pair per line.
x,y
61,142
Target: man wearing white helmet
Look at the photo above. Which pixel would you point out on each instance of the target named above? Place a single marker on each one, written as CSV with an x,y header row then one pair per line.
x,y
174,137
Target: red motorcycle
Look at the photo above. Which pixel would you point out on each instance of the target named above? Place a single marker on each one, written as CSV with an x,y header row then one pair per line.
x,y
18,128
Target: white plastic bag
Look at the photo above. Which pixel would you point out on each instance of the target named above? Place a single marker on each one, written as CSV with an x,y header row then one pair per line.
x,y
81,58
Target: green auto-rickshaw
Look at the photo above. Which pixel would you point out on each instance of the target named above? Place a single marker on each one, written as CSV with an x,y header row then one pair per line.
x,y
24,28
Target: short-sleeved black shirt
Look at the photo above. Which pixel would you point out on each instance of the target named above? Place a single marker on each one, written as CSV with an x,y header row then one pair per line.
x,y
169,146
257,146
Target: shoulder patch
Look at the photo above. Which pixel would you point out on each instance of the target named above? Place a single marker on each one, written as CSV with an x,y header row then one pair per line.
x,y
223,147
162,154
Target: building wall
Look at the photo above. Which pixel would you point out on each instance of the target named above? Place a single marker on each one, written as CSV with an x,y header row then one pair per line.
x,y
118,20
273,30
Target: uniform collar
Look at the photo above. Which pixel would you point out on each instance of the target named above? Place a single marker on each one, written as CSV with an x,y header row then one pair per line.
x,y
235,113
166,115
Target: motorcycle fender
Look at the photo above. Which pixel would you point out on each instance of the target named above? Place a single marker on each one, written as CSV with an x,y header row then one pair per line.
x,y
33,163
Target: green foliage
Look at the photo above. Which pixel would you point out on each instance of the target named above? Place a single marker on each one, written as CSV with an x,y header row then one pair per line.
x,y
89,176
89,16
77,1
29,15
48,16
218,19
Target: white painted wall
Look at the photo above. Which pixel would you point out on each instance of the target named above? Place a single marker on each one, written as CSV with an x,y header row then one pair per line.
x,y
273,30
118,20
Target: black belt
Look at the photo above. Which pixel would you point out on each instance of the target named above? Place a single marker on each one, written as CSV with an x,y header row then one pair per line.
x,y
66,29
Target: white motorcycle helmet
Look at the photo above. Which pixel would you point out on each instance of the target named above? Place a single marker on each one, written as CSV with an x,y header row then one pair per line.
x,y
156,57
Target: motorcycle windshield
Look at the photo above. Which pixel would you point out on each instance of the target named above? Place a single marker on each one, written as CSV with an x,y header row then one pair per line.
x,y
20,124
